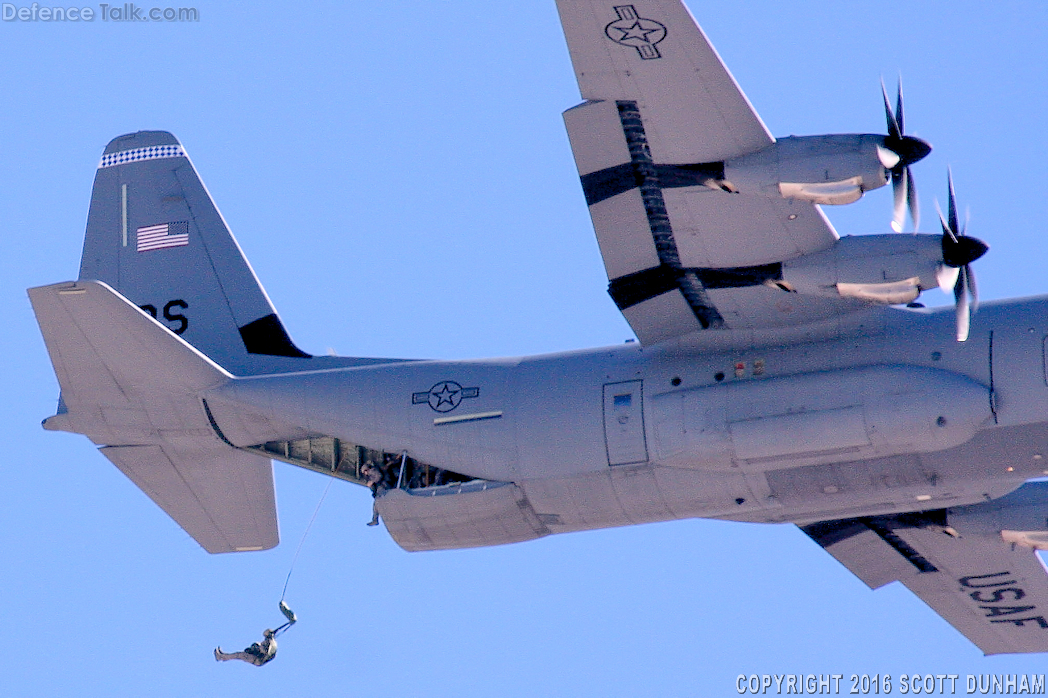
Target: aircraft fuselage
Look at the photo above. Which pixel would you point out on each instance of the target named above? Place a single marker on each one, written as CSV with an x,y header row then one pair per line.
x,y
899,417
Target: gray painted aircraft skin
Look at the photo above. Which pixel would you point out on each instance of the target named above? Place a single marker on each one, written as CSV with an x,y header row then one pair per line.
x,y
779,376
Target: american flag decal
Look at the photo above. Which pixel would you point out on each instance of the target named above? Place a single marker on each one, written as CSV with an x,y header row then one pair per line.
x,y
159,237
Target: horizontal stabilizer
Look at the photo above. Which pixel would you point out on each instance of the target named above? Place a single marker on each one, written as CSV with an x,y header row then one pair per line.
x,y
223,499
132,386
112,357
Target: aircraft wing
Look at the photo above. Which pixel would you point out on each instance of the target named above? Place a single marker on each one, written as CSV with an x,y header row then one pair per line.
x,y
652,52
677,255
132,386
995,593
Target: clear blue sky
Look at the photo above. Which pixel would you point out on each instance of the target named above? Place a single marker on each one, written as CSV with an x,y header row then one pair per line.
x,y
398,175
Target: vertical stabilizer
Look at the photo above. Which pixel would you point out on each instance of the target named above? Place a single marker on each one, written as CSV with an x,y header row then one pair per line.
x,y
155,235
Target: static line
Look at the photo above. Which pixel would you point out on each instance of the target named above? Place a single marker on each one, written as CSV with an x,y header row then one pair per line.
x,y
304,534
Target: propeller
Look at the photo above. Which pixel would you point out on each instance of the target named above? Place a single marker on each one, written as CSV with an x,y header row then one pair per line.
x,y
897,153
958,252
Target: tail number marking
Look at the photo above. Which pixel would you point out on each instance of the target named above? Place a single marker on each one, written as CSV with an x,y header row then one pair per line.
x,y
176,321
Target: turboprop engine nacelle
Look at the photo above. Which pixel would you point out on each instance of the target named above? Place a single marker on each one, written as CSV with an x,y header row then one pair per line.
x,y
888,269
831,169
1017,518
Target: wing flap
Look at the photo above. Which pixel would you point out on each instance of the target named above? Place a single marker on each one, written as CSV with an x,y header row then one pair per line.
x,y
663,317
624,235
755,307
717,229
993,592
862,551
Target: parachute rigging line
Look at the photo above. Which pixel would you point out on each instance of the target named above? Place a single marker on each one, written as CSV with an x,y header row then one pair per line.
x,y
304,534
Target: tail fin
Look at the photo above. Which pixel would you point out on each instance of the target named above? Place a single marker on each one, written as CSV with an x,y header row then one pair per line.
x,y
155,235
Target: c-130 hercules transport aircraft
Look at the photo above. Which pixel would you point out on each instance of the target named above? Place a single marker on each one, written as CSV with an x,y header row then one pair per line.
x,y
782,373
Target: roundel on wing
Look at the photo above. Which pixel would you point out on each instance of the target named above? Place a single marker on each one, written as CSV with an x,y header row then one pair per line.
x,y
632,30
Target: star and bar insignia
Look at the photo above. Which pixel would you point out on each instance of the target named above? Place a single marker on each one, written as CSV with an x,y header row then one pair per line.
x,y
444,396
632,30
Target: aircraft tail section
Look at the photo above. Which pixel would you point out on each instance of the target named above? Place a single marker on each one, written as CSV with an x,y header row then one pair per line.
x,y
155,236
133,387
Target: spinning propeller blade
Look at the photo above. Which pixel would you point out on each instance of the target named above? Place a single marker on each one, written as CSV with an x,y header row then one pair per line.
x,y
909,150
958,252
